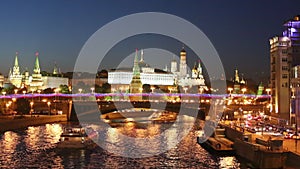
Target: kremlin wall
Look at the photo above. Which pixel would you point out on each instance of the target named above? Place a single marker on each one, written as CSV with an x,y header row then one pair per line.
x,y
126,80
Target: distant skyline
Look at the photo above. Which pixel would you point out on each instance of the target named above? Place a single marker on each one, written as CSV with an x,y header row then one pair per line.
x,y
240,31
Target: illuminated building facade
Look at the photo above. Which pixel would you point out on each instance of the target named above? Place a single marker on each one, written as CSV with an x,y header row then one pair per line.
x,y
1,80
36,80
122,77
280,76
284,60
14,75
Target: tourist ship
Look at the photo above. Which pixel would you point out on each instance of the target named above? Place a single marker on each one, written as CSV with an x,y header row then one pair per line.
x,y
75,137
217,144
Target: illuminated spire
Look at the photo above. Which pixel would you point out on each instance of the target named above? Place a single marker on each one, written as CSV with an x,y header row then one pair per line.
x,y
199,68
136,68
16,59
236,76
37,69
10,73
16,68
142,56
55,70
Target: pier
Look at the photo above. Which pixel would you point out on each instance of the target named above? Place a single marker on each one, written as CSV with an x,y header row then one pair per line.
x,y
260,151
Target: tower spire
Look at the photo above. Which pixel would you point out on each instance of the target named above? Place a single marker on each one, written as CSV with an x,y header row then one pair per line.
x,y
236,76
37,69
16,68
136,68
16,59
199,68
55,70
142,56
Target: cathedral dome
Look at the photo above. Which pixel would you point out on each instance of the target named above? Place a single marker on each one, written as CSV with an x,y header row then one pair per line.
x,y
142,64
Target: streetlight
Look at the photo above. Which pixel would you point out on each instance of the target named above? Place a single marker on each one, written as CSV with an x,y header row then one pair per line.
x,y
39,91
4,93
170,89
152,89
49,105
201,92
92,89
244,90
32,94
56,92
230,89
31,108
80,90
185,89
24,92
268,91
16,91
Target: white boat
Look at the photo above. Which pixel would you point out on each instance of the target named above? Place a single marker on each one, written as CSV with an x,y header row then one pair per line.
x,y
74,137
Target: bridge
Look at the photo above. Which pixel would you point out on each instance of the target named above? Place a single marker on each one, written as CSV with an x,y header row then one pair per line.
x,y
93,102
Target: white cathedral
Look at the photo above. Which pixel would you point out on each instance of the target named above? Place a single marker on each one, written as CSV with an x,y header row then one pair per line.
x,y
121,78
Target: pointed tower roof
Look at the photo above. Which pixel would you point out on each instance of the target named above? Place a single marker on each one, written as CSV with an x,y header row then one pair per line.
x,y
243,80
16,68
142,56
182,50
142,62
174,59
16,59
136,68
37,69
55,69
236,76
10,73
199,68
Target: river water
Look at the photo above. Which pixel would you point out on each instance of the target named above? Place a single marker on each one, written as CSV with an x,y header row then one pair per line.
x,y
35,147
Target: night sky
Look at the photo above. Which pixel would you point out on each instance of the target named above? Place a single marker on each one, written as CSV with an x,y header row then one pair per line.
x,y
239,30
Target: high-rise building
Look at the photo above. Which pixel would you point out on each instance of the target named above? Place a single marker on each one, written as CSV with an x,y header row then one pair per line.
x,y
280,76
284,56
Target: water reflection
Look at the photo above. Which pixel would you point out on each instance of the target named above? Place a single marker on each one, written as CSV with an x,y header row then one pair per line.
x,y
35,147
8,147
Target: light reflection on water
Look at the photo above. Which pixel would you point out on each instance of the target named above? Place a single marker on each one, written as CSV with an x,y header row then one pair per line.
x,y
35,147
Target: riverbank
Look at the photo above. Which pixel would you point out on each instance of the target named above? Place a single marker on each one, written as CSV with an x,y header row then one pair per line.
x,y
8,123
262,151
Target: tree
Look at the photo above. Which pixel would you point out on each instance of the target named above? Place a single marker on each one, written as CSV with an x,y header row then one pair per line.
x,y
9,90
23,106
146,88
97,88
106,88
48,91
64,89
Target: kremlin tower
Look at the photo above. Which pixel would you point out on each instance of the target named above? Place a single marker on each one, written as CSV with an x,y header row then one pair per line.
x,y
15,76
183,66
37,81
136,85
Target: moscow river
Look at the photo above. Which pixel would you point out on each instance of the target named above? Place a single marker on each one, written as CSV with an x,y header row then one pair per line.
x,y
35,147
